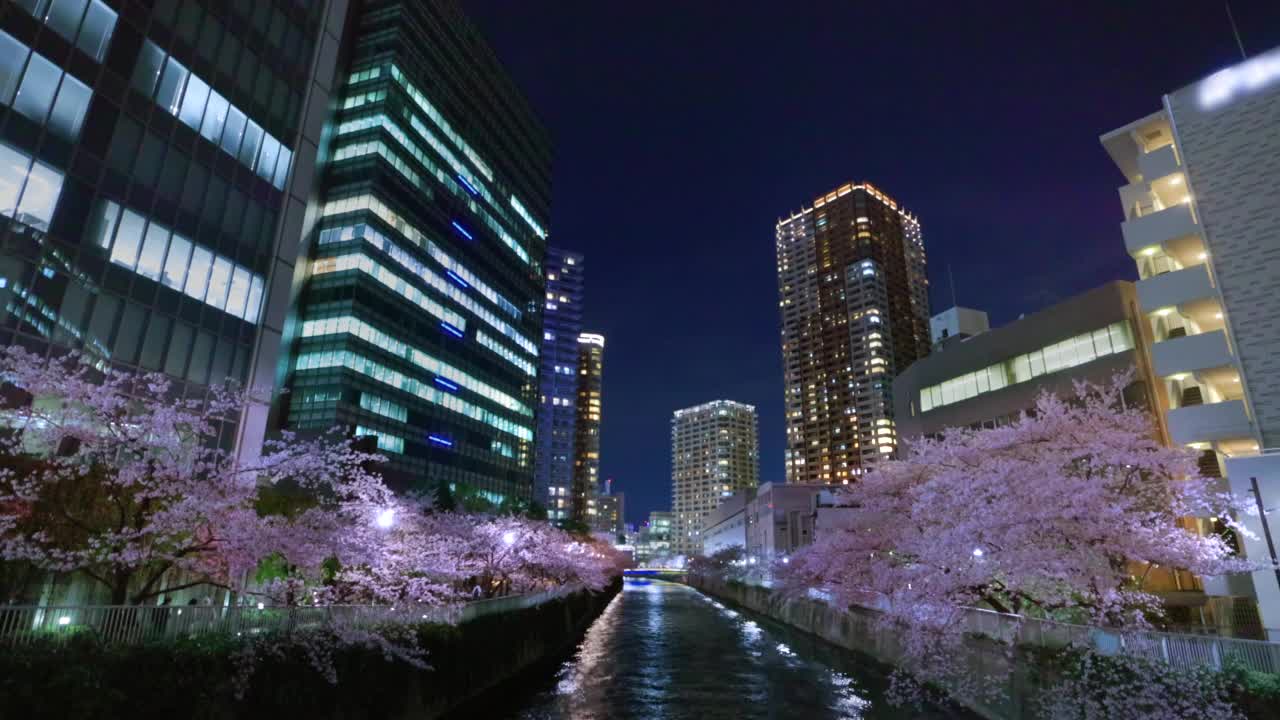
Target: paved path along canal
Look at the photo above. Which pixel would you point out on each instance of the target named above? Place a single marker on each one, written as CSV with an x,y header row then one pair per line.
x,y
662,651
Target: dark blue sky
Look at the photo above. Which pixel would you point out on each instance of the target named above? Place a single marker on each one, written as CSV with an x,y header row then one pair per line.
x,y
683,130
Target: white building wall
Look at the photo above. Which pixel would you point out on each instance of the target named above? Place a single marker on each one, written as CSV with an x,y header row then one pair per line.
x,y
1228,132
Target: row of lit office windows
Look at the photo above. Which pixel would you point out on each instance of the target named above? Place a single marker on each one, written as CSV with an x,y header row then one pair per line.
x,y
453,289
370,203
382,406
469,279
37,88
421,100
453,378
471,186
189,98
157,253
1073,351
376,147
505,353
374,269
385,440
319,360
87,24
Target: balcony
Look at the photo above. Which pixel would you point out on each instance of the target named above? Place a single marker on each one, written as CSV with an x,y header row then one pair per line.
x,y
1209,423
1158,228
1174,289
1191,353
1158,163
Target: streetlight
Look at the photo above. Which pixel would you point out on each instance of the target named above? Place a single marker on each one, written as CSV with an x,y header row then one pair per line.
x,y
386,518
509,537
977,552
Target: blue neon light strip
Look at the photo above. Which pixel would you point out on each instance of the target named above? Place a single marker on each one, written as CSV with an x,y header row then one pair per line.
x,y
470,188
457,278
451,386
440,440
452,330
462,231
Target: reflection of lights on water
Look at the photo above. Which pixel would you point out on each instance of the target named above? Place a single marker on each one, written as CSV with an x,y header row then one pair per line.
x,y
848,703
595,654
751,630
782,648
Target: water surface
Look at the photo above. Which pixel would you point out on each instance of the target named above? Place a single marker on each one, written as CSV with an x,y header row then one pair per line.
x,y
662,651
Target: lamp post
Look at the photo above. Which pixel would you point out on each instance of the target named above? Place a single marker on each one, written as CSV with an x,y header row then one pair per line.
x,y
1266,527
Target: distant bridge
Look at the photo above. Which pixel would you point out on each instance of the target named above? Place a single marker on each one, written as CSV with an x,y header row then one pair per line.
x,y
654,573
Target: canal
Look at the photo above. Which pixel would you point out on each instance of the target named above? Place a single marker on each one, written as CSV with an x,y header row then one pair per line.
x,y
663,651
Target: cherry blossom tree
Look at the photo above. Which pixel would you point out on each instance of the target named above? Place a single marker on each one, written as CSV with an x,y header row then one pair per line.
x,y
724,564
113,475
1063,514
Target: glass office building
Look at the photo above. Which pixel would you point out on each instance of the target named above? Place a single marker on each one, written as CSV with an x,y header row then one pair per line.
x,y
149,156
419,316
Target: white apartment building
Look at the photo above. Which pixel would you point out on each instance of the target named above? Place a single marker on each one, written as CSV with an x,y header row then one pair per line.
x,y
714,452
1202,222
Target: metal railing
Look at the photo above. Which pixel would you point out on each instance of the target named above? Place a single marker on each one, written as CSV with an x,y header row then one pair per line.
x,y
1179,650
137,624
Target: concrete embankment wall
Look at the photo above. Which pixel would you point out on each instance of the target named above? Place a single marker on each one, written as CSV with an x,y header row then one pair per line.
x,y
197,678
858,629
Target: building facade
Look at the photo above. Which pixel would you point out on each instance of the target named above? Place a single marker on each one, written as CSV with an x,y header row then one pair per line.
x,y
586,429
726,526
957,322
768,522
418,313
606,511
853,297
991,378
155,164
558,382
714,452
1201,222
653,541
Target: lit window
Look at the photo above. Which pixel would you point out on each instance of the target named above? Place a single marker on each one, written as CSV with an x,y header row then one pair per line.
x,y
69,108
175,266
151,261
39,85
95,32
198,276
28,190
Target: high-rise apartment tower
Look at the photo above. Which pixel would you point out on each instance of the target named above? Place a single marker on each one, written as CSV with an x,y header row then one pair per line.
x,y
558,384
714,451
855,311
586,441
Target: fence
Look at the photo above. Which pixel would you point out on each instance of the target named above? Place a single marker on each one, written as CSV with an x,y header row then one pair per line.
x,y
135,624
1180,650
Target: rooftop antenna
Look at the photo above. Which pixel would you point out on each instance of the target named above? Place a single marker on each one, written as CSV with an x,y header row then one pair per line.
x,y
1235,30
952,279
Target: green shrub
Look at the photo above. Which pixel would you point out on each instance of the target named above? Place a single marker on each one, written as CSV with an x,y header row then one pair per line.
x,y
196,678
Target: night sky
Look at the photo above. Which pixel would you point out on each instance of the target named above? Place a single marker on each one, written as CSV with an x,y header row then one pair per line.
x,y
684,130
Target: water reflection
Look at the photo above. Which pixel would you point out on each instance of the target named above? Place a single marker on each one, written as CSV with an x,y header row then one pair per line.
x,y
662,651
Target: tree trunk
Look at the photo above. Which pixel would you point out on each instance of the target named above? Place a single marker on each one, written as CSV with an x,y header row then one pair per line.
x,y
120,588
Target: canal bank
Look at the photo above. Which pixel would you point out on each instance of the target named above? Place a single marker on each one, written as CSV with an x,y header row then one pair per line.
x,y
198,678
664,650
855,629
